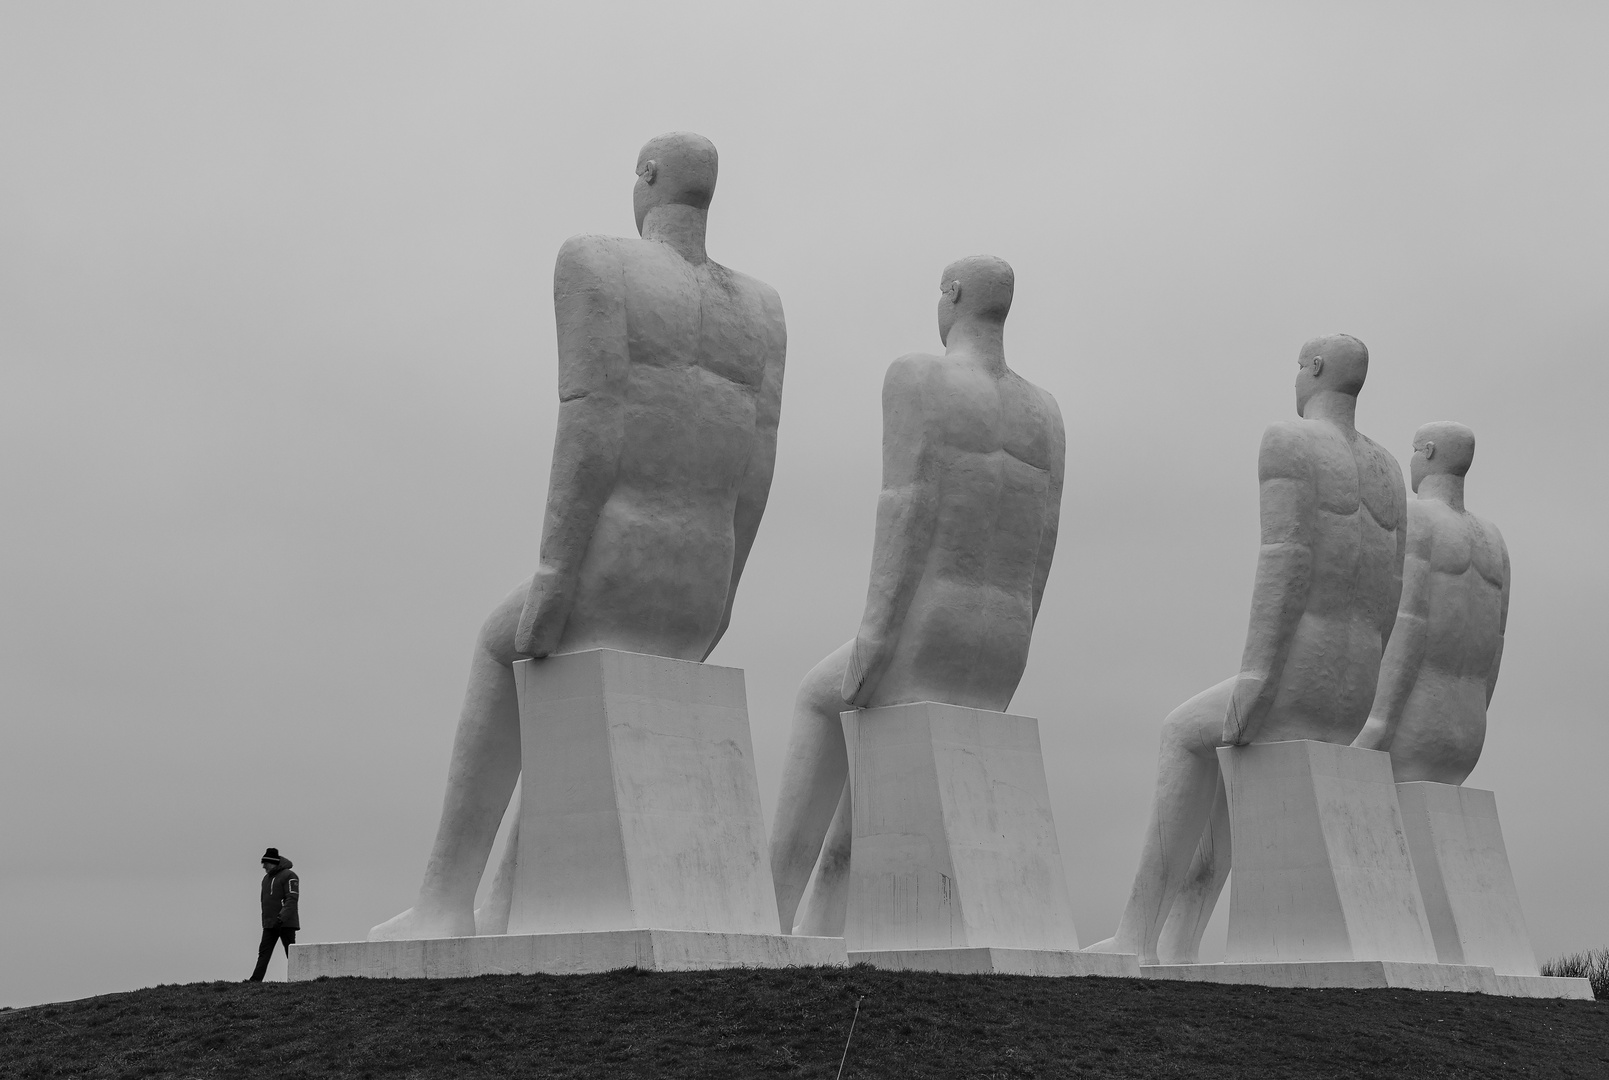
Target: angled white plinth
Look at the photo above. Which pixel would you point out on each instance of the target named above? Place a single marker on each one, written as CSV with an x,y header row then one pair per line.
x,y
1374,975
1464,877
1322,870
987,961
1543,986
954,864
640,808
1345,974
559,954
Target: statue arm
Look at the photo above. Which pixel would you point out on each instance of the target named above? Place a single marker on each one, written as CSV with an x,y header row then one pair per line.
x,y
1400,496
756,487
906,515
1405,651
1287,504
1052,526
1502,622
589,307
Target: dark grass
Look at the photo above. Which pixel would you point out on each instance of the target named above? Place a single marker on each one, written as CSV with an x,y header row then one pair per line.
x,y
1592,965
793,1024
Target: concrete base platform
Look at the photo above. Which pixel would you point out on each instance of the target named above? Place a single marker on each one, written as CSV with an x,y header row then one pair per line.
x,y
989,961
1543,986
560,954
1373,975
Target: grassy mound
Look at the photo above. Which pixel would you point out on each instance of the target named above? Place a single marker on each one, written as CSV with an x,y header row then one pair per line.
x,y
793,1024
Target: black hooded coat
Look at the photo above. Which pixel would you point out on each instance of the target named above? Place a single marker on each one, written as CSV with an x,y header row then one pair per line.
x,y
281,890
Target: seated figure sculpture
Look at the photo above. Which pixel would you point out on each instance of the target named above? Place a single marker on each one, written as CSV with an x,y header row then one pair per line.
x,y
670,383
966,527
1329,575
1440,668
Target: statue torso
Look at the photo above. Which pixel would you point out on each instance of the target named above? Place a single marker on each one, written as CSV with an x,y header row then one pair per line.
x,y
1327,681
1443,723
659,563
988,443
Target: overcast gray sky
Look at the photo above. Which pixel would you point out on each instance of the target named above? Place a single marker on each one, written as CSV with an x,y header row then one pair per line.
x,y
277,381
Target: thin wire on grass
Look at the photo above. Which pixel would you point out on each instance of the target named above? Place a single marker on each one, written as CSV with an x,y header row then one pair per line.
x,y
851,1036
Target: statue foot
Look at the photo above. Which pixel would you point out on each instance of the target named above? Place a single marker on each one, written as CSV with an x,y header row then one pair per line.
x,y
413,924
1114,945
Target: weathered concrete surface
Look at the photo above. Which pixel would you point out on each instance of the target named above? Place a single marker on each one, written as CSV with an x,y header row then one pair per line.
x,y
559,954
1464,877
1322,867
1375,974
954,844
987,961
641,809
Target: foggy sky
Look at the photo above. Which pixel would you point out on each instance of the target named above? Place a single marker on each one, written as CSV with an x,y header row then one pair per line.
x,y
277,388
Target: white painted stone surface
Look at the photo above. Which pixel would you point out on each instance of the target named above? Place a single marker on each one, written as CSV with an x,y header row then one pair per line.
x,y
640,808
1322,869
670,370
986,961
1464,877
1543,986
1376,974
559,954
954,843
1338,974
967,519
1331,507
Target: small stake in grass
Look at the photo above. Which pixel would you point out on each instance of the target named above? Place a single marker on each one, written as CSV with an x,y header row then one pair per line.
x,y
851,1036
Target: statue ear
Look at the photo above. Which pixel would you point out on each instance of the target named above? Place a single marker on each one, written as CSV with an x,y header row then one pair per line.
x,y
1318,365
953,289
650,170
1429,450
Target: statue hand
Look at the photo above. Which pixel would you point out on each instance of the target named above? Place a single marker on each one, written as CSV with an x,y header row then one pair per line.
x,y
859,679
1244,712
542,620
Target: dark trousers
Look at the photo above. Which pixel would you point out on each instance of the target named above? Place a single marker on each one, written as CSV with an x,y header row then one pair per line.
x,y
272,936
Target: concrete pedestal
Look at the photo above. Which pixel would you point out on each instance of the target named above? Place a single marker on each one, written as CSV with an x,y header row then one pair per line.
x,y
1374,975
1464,877
1321,870
1323,891
640,809
641,840
955,864
559,954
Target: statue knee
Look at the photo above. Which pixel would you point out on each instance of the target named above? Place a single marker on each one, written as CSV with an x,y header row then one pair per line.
x,y
496,637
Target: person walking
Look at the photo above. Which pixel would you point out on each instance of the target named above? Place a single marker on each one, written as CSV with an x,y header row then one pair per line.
x,y
281,890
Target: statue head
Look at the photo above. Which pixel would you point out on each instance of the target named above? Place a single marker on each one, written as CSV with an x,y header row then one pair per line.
x,y
1441,447
1339,362
977,287
675,168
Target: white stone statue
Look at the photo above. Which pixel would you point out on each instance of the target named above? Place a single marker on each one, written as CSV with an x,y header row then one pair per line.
x,y
1325,597
966,527
670,387
1440,668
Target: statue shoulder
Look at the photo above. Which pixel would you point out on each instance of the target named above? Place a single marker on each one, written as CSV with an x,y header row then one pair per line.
x,y
588,256
1491,551
1425,519
1287,451
914,371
